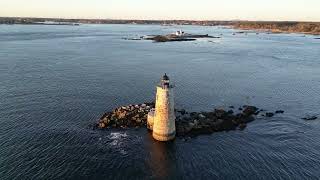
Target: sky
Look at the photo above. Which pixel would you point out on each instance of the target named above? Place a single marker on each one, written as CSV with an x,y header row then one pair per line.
x,y
276,10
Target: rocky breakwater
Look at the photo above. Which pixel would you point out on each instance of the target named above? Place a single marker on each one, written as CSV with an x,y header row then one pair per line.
x,y
195,123
126,116
187,123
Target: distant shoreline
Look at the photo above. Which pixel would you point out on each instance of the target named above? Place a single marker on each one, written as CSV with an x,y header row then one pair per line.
x,y
281,27
312,28
271,31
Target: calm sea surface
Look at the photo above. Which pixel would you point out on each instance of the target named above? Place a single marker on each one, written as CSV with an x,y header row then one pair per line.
x,y
55,81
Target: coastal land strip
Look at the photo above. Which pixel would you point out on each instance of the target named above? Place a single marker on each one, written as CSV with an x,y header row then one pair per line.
x,y
312,28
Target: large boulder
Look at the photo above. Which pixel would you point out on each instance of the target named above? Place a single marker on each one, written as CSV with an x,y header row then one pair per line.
x,y
122,114
249,110
220,113
279,112
269,114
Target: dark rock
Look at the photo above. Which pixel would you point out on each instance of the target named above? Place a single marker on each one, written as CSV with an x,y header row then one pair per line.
x,y
209,115
248,119
230,112
168,38
161,39
220,113
193,114
201,116
102,125
269,114
309,118
249,110
227,124
279,112
132,39
186,118
242,126
182,111
231,107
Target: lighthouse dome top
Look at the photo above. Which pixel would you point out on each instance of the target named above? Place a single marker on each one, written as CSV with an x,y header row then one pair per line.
x,y
165,82
165,77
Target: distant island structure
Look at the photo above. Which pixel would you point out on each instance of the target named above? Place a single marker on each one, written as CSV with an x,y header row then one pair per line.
x,y
180,33
176,36
161,120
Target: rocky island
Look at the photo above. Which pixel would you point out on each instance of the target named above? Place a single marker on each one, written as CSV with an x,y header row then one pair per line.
x,y
177,36
169,122
187,123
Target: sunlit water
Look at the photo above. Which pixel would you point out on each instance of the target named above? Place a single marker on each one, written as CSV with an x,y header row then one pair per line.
x,y
55,81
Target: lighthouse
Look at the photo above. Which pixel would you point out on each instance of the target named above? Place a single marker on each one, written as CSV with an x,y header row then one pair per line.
x,y
161,120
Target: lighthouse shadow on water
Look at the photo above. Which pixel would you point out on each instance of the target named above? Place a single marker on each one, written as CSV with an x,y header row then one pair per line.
x,y
161,158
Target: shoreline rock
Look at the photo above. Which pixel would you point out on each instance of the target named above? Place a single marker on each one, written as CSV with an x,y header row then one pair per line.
x,y
187,123
197,123
269,114
279,112
310,118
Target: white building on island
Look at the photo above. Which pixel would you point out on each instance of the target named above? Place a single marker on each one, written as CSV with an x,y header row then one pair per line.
x,y
179,33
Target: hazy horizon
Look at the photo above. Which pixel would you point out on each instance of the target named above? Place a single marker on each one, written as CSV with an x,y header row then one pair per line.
x,y
251,10
123,19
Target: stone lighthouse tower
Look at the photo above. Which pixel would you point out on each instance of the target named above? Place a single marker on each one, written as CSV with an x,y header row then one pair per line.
x,y
162,120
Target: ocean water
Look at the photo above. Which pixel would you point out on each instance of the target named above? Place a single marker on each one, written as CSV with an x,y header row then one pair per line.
x,y
56,81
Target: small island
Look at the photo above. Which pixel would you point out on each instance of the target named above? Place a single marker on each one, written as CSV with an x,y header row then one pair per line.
x,y
187,123
177,36
166,122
